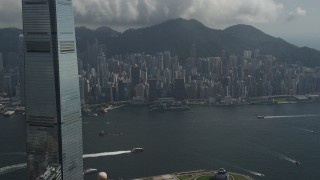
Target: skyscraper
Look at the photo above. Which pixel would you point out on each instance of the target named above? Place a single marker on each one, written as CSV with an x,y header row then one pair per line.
x,y
135,78
52,98
1,72
21,68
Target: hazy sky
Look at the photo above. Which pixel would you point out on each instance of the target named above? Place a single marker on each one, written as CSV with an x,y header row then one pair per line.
x,y
294,20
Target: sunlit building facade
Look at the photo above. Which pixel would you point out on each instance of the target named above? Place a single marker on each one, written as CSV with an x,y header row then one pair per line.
x,y
52,98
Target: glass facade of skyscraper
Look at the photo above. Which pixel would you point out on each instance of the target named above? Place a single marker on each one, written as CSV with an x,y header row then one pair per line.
x,y
52,98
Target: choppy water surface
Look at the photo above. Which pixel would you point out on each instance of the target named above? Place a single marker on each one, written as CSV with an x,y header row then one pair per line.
x,y
203,138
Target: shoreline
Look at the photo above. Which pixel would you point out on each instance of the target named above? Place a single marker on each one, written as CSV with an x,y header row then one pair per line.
x,y
195,175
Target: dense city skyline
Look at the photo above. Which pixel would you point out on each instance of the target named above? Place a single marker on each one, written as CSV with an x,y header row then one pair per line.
x,y
225,79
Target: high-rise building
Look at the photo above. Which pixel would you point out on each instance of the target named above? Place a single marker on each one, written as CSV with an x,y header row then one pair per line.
x,y
21,68
179,88
52,98
102,69
1,72
135,79
153,95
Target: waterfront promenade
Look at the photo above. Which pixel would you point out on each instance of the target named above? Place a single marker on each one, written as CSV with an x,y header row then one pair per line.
x,y
195,175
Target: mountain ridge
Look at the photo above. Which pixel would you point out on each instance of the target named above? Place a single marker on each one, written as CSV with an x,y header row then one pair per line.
x,y
177,36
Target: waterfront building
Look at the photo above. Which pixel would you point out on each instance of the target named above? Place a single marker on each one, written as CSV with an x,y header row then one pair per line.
x,y
153,92
222,174
123,90
140,90
179,89
52,98
135,78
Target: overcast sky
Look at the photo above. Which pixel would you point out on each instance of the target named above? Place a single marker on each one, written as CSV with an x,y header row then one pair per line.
x,y
293,20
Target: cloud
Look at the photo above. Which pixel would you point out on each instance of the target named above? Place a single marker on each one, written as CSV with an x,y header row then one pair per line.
x,y
10,13
146,12
135,13
298,12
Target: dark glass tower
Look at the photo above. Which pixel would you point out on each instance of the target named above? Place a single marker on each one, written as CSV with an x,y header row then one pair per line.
x,y
52,98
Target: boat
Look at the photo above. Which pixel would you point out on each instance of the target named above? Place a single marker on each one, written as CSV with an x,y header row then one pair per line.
x,y
260,117
9,113
89,171
86,112
138,101
167,104
164,108
20,110
137,150
95,114
101,133
105,110
297,163
116,134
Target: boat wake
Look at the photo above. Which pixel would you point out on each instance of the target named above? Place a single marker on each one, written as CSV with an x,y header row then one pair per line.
x,y
251,172
278,155
281,156
12,168
105,154
13,154
8,169
254,173
284,157
291,116
305,130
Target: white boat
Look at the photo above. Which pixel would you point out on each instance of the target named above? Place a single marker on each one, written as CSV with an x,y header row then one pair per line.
x,y
105,110
260,117
9,113
89,171
137,150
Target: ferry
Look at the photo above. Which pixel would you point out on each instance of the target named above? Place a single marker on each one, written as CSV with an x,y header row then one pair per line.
x,y
116,134
9,113
260,117
105,110
137,150
164,107
89,171
167,104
